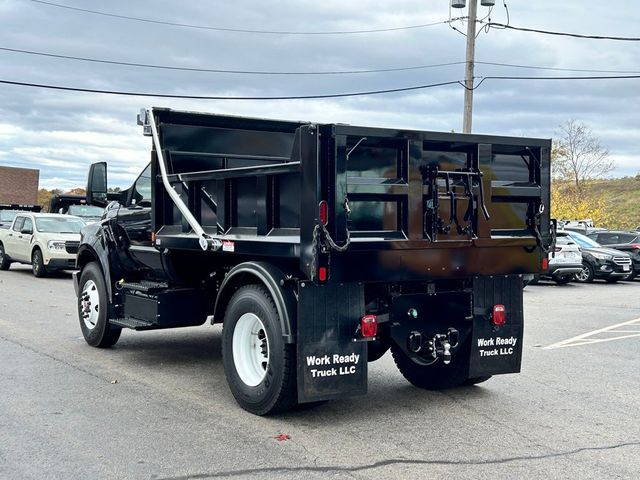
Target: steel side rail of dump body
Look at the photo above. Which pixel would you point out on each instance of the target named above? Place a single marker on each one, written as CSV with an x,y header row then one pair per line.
x,y
401,205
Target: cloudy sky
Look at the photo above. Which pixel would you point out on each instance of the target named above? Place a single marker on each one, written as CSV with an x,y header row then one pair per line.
x,y
61,133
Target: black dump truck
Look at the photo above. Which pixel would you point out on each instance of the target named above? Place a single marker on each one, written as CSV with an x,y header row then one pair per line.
x,y
319,247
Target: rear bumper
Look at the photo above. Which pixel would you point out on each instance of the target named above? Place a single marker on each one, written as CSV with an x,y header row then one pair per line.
x,y
563,270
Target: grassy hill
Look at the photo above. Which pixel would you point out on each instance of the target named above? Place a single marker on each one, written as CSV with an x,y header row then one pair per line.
x,y
621,197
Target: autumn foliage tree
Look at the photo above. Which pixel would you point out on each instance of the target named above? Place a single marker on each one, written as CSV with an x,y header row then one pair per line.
x,y
569,204
577,158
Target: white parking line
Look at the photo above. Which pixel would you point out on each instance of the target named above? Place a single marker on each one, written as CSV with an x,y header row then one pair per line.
x,y
588,338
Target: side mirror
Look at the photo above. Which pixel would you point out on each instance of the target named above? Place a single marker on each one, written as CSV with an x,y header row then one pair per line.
x,y
97,184
26,231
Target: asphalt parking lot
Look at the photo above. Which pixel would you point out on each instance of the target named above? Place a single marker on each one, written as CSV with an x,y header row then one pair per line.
x,y
157,405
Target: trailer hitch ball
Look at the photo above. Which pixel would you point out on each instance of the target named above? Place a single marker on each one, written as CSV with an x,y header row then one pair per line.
x,y
446,354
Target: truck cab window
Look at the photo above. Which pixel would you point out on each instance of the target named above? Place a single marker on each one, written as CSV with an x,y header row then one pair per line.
x,y
17,226
141,194
28,225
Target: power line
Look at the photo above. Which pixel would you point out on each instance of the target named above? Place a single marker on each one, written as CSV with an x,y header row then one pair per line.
x,y
207,97
326,72
218,70
311,97
559,69
502,26
239,30
591,77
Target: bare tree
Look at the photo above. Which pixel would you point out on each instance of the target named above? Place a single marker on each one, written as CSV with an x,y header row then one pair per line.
x,y
578,155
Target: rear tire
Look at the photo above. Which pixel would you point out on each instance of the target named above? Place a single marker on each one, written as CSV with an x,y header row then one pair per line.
x,y
93,306
37,263
437,376
260,368
5,263
564,279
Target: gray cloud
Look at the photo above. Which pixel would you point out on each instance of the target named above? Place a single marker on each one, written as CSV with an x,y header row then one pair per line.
x,y
62,133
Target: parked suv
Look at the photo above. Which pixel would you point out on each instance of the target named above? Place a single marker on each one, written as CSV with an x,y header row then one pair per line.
x,y
601,262
46,241
625,242
565,262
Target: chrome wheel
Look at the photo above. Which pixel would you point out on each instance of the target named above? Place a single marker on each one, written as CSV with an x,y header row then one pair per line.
x,y
583,276
250,349
90,304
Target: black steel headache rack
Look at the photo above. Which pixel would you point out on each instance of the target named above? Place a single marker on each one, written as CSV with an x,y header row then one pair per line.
x,y
350,203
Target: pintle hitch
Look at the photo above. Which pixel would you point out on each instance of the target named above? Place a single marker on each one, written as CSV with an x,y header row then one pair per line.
x,y
430,349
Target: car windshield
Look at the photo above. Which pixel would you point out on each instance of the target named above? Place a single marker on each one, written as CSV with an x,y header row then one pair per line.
x,y
7,216
59,224
85,211
583,240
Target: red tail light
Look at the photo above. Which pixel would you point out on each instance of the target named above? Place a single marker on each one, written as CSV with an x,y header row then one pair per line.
x,y
323,212
369,326
635,246
499,315
545,263
322,274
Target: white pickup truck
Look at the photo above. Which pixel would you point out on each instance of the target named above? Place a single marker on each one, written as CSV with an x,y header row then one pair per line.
x,y
46,241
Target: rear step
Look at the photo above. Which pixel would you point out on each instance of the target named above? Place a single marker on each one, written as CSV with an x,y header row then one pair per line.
x,y
132,323
144,286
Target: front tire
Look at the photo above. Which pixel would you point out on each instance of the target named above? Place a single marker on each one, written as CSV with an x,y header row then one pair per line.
x,y
260,368
37,264
4,260
93,305
437,376
586,275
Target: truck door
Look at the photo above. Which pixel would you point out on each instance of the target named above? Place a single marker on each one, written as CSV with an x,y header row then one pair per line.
x,y
135,219
23,242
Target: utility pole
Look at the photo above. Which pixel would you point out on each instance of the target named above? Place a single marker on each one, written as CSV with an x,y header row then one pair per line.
x,y
471,53
469,67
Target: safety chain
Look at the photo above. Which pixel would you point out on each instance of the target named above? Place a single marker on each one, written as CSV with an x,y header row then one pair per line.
x,y
332,243
538,235
314,251
322,237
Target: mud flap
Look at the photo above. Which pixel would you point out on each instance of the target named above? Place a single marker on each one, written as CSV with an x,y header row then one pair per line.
x,y
330,363
496,350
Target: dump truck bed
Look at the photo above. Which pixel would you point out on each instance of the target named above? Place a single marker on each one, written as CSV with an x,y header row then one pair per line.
x,y
357,203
